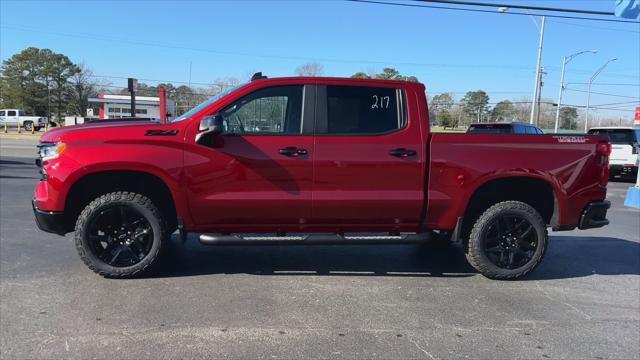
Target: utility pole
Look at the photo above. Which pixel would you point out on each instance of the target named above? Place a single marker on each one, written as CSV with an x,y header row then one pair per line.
x,y
565,61
538,100
586,120
537,84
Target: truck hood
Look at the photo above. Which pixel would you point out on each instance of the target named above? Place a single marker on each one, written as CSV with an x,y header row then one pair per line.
x,y
59,133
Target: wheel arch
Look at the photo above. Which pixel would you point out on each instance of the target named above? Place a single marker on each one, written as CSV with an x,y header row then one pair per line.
x,y
90,185
535,191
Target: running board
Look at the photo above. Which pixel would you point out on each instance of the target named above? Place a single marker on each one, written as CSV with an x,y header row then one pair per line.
x,y
313,239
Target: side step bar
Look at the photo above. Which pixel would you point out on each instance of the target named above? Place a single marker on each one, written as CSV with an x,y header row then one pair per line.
x,y
313,239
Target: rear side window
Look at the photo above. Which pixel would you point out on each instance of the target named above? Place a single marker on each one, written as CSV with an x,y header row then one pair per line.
x,y
363,110
11,113
616,136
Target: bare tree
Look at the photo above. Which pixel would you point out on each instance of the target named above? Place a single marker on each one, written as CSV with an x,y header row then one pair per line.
x,y
310,69
84,86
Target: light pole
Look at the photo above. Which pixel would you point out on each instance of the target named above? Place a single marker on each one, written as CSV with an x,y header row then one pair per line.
x,y
536,87
586,120
565,61
537,82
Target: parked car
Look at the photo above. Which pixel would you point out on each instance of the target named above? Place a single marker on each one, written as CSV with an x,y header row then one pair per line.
x,y
338,161
624,150
18,118
503,128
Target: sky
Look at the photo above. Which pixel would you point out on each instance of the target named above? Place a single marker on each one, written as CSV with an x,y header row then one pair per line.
x,y
449,51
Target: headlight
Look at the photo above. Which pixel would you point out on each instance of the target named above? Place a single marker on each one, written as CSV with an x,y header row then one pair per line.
x,y
50,151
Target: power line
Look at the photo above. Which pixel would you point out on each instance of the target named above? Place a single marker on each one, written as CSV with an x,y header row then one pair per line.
x,y
604,84
594,27
606,94
525,7
490,11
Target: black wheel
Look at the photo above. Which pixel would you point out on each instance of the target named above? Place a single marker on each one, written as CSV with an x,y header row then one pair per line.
x,y
507,241
120,234
27,125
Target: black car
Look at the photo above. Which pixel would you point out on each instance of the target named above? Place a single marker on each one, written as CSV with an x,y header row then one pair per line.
x,y
503,128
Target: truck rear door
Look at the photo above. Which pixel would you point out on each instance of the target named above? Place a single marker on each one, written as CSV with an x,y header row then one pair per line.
x,y
369,158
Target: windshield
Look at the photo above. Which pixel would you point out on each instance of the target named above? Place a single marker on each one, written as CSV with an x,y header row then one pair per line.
x,y
205,104
617,136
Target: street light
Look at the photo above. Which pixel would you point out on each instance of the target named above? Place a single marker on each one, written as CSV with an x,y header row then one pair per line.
x,y
565,61
536,89
586,120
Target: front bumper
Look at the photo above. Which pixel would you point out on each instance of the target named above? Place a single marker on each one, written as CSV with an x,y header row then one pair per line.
x,y
594,215
49,221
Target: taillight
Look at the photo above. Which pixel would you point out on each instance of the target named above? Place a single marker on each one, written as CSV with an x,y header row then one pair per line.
x,y
604,150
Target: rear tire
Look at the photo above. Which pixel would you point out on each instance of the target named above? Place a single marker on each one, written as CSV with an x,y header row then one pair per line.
x,y
120,235
27,125
507,241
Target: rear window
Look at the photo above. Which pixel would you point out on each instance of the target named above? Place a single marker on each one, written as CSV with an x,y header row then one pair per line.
x,y
21,113
363,110
490,129
617,136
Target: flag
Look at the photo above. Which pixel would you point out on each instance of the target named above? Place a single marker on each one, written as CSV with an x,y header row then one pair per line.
x,y
629,9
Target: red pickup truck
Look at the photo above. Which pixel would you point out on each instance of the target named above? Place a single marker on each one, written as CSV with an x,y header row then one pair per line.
x,y
315,161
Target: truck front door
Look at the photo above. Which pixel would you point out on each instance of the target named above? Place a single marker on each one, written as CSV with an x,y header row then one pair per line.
x,y
369,159
258,173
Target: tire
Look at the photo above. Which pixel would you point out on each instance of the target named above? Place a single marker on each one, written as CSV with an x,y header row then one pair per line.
x,y
527,243
27,125
94,252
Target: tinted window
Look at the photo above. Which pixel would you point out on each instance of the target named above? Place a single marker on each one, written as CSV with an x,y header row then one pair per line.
x,y
362,110
11,113
21,113
490,129
616,136
270,110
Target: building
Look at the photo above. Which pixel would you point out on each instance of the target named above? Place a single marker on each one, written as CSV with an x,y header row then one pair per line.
x,y
118,106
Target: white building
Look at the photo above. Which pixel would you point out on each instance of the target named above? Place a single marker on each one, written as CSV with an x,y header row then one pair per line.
x,y
118,106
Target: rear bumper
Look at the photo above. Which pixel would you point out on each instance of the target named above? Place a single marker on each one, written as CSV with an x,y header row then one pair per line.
x,y
594,215
49,221
622,169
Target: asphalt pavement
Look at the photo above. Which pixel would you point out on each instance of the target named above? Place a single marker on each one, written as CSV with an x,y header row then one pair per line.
x,y
386,302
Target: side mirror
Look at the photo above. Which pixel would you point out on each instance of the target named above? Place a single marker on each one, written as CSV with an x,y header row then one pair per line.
x,y
209,127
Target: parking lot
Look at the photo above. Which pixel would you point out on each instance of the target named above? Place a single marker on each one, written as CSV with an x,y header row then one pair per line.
x,y
399,301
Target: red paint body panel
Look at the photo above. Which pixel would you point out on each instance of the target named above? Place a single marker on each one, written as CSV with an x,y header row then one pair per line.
x,y
344,183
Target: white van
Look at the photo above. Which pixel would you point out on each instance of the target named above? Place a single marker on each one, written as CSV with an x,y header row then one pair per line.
x,y
624,148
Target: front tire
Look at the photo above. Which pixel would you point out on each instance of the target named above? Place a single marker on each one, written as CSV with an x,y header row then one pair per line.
x,y
120,235
507,241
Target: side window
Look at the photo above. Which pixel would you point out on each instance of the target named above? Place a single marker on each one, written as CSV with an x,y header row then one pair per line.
x,y
2,113
363,110
11,113
274,110
21,113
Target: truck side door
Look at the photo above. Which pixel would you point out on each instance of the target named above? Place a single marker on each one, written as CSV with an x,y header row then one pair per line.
x,y
259,171
369,159
12,117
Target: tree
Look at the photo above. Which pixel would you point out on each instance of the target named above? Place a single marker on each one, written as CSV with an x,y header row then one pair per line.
x,y
438,106
360,75
310,69
386,74
502,111
446,119
474,104
36,80
84,86
568,118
